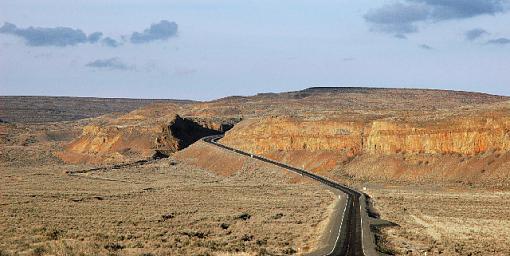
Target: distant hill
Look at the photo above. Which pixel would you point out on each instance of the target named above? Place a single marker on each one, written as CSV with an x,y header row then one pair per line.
x,y
40,109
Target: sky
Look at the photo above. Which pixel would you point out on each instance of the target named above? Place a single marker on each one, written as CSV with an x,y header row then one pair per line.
x,y
205,49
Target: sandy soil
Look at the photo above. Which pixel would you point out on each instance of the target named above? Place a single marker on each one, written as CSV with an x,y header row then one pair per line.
x,y
163,208
444,221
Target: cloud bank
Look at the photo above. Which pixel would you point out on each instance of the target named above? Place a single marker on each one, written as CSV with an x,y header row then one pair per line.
x,y
474,34
94,37
425,47
109,64
403,18
499,41
58,36
110,42
158,31
66,36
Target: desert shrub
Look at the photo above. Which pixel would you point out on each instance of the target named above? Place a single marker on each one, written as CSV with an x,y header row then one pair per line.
x,y
197,234
243,216
278,216
262,242
55,234
212,245
224,225
167,216
38,251
382,243
264,251
289,250
114,246
247,237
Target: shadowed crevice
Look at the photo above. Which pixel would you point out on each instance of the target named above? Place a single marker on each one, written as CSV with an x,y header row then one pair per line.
x,y
187,131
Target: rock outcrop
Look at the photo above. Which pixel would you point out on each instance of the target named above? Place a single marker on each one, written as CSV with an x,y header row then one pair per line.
x,y
287,133
364,132
139,134
333,143
465,136
477,133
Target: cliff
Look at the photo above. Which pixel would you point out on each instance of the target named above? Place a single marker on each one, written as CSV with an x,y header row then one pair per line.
x,y
465,136
138,134
359,132
287,133
445,145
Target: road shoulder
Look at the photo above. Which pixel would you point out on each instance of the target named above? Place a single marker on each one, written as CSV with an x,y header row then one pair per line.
x,y
331,230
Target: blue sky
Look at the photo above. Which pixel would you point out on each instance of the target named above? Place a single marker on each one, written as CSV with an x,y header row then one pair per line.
x,y
204,49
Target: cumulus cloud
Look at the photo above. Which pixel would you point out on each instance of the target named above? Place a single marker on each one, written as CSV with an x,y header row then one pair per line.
x,y
499,41
158,31
425,47
57,36
110,64
65,36
404,17
397,18
458,9
400,36
94,37
110,42
475,34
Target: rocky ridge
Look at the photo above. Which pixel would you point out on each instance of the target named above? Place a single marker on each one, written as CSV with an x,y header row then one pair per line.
x,y
155,131
363,132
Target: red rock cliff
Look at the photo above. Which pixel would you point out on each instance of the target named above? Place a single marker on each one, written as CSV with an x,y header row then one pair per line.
x,y
442,147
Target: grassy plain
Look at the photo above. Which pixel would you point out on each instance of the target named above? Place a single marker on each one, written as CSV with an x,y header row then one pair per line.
x,y
162,208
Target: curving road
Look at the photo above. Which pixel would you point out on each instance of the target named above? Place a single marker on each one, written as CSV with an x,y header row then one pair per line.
x,y
350,229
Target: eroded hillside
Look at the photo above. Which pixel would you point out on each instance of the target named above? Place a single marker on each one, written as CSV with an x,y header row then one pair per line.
x,y
155,131
454,140
392,134
463,132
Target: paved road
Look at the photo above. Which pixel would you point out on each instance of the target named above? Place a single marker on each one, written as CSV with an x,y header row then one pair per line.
x,y
350,231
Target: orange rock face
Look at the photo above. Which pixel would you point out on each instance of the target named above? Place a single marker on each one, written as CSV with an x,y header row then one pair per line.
x,y
313,144
362,132
465,136
139,134
468,147
117,143
287,134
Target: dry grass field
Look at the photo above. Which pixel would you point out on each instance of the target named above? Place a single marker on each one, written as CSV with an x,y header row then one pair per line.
x,y
439,221
161,208
44,109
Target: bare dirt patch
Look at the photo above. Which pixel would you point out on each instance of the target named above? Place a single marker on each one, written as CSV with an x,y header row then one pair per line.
x,y
440,221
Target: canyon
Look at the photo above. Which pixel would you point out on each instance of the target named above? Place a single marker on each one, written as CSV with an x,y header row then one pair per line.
x,y
464,136
445,136
427,158
471,149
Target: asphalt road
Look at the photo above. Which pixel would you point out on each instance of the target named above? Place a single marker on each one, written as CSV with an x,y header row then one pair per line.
x,y
350,232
